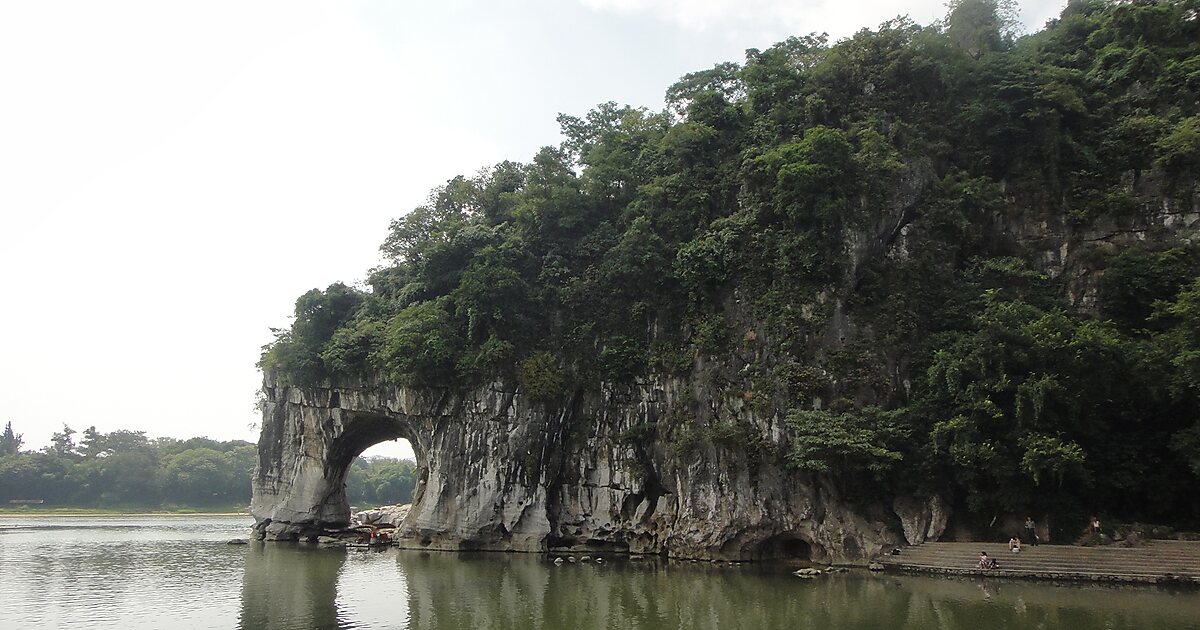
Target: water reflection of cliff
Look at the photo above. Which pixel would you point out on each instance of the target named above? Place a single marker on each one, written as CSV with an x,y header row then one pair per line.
x,y
507,591
298,587
287,587
458,591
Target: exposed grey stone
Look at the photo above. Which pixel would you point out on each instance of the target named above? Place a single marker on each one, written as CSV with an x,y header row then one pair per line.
x,y
387,515
923,519
497,471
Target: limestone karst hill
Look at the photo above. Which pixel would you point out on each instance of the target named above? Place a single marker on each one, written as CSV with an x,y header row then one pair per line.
x,y
830,298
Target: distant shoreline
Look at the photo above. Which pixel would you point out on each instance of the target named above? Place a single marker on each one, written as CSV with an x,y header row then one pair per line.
x,y
114,512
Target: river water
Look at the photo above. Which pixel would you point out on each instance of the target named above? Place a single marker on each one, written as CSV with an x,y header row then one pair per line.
x,y
177,572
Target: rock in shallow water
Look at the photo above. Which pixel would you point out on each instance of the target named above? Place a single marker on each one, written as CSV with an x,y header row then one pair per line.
x,y
387,515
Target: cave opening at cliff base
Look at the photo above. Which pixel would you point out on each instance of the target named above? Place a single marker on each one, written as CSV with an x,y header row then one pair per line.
x,y
785,546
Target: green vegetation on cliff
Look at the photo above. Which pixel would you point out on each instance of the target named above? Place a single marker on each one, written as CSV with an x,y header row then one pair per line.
x,y
945,258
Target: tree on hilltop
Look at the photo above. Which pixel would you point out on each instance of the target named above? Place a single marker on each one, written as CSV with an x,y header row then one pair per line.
x,y
10,443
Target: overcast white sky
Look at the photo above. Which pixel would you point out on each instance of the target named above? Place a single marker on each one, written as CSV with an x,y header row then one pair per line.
x,y
174,174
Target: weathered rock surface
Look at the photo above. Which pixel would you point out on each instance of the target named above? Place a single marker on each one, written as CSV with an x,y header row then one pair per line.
x,y
921,520
387,515
499,472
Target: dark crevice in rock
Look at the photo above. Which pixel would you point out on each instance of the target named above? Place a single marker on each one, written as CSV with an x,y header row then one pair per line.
x,y
786,546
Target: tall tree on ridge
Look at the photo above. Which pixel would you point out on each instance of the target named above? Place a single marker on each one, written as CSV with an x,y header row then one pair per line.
x,y
982,26
10,443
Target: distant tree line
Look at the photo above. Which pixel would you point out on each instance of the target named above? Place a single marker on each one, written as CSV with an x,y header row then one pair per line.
x,y
380,481
127,469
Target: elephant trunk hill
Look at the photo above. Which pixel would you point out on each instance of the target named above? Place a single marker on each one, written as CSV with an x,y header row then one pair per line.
x,y
922,282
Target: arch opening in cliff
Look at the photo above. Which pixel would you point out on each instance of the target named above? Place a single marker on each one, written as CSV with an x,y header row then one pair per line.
x,y
390,485
362,434
309,442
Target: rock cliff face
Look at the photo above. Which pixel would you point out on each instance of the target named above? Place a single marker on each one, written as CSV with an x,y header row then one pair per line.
x,y
499,472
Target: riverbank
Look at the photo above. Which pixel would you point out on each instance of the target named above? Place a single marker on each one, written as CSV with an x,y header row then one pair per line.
x,y
1155,562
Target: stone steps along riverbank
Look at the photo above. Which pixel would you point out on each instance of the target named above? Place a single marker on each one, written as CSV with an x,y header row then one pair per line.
x,y
1155,562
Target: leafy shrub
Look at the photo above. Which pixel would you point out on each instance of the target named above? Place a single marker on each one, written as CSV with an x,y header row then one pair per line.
x,y
541,378
419,345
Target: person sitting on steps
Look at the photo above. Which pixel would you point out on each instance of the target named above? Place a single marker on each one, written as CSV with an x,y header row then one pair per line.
x,y
985,562
1014,544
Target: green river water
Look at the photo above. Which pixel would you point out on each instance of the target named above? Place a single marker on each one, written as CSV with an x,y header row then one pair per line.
x,y
177,572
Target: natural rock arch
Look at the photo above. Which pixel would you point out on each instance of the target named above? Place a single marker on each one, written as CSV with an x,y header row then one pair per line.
x,y
599,471
311,435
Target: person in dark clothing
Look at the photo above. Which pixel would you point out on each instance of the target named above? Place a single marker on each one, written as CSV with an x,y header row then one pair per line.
x,y
1030,536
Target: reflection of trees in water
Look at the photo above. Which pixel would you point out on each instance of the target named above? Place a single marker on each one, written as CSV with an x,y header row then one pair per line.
x,y
288,586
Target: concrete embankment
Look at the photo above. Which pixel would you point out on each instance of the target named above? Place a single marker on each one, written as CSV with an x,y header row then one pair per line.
x,y
1155,562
